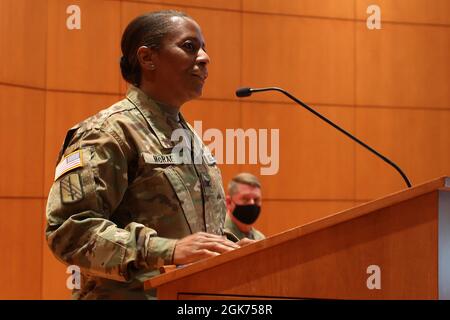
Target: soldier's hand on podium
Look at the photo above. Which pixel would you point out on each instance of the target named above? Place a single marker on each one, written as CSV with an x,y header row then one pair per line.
x,y
199,246
245,241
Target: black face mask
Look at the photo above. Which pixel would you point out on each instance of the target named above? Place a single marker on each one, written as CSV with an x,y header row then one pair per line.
x,y
246,213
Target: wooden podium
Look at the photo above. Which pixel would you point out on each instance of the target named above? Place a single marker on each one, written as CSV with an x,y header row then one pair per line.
x,y
396,247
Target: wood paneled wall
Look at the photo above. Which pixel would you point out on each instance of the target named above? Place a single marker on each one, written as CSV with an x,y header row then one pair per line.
x,y
390,87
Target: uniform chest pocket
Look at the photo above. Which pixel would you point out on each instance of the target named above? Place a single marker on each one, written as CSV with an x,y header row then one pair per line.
x,y
160,191
179,187
152,165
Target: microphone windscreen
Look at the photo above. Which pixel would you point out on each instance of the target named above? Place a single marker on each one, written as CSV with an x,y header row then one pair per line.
x,y
243,92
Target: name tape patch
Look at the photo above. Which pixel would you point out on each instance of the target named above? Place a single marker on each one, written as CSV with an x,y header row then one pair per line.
x,y
171,158
174,158
69,162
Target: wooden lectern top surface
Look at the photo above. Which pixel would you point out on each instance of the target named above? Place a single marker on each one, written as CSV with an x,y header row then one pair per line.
x,y
442,183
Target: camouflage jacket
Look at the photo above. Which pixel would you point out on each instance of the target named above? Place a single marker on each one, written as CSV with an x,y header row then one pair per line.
x,y
121,198
231,227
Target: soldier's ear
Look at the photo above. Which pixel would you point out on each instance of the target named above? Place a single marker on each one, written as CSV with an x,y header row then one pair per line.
x,y
228,202
146,57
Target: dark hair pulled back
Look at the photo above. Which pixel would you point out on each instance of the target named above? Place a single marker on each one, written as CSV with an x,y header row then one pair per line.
x,y
146,30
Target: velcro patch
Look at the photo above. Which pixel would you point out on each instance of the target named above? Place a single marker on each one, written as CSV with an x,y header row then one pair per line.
x,y
71,188
69,162
171,158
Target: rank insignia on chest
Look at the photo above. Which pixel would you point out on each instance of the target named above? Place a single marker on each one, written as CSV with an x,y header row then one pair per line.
x,y
209,158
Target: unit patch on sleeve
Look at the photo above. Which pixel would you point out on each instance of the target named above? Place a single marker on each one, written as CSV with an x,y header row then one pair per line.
x,y
71,188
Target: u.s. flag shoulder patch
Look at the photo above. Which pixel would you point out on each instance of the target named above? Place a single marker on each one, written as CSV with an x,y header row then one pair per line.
x,y
69,162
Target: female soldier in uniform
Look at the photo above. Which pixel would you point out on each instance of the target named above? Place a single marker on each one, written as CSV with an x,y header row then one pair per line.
x,y
123,203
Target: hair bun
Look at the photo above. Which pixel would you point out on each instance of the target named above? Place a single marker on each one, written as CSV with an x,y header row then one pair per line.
x,y
124,64
125,69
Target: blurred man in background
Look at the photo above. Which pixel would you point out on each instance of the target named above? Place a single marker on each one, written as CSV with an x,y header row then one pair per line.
x,y
243,207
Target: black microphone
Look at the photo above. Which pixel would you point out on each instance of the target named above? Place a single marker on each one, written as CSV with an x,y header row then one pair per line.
x,y
243,92
246,92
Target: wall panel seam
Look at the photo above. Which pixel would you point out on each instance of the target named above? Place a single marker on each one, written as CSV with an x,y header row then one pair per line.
x,y
355,75
312,104
254,101
43,202
281,14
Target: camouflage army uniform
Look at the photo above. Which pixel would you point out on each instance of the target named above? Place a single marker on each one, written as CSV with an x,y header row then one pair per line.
x,y
118,213
231,227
